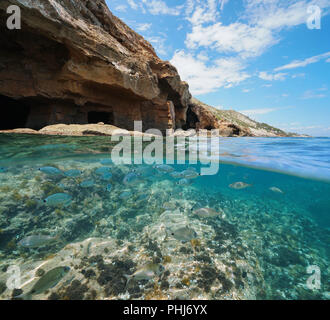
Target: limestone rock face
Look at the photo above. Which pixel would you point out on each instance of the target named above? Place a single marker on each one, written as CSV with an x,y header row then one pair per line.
x,y
73,61
201,116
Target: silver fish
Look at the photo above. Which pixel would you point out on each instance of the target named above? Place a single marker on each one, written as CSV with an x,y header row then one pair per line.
x,y
131,178
240,185
276,190
58,199
190,174
103,170
184,182
207,213
182,233
49,280
73,173
147,272
106,176
87,183
51,170
164,168
35,241
176,174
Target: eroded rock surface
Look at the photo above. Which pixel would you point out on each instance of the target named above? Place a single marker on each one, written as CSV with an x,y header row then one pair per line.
x,y
73,61
202,116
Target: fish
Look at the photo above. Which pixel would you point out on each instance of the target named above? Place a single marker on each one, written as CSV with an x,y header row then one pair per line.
x,y
182,234
190,174
58,199
3,169
87,183
131,178
51,170
184,182
147,272
207,213
106,176
145,171
143,197
73,173
49,280
101,171
176,174
109,187
125,195
106,162
276,190
164,168
240,185
35,241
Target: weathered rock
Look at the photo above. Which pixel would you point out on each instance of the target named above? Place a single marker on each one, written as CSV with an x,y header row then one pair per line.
x,y
73,61
201,116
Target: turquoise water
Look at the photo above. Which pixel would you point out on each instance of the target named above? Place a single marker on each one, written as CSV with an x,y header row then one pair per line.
x,y
111,222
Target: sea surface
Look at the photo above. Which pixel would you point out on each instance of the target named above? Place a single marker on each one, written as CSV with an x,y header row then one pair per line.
x,y
136,231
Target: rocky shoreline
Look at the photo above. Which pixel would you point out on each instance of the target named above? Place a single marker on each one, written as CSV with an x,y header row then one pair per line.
x,y
81,130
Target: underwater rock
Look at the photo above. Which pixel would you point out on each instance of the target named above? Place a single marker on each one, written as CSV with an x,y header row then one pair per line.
x,y
76,291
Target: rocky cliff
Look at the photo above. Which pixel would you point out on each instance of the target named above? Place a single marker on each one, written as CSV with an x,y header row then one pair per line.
x,y
73,61
229,122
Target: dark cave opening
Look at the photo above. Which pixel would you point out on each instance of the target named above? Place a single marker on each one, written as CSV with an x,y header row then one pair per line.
x,y
192,120
14,113
96,117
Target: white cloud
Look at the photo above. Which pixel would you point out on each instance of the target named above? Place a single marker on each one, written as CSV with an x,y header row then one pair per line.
x,y
157,7
236,38
203,56
159,44
143,27
303,63
272,77
222,4
246,90
263,20
121,8
328,60
132,4
205,11
256,30
310,94
202,78
279,14
298,75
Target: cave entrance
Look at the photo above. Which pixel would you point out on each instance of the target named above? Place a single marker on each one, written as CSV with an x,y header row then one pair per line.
x,y
96,117
14,114
192,119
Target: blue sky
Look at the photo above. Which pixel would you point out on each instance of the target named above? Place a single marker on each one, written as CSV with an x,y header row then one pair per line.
x,y
265,58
